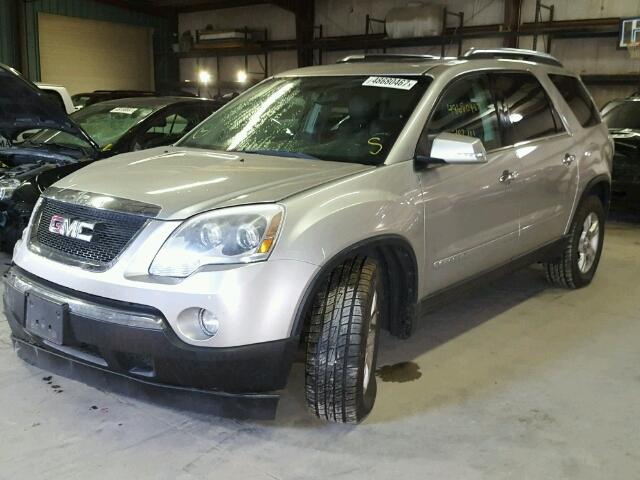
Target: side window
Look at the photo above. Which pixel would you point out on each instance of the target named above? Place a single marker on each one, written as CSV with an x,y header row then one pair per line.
x,y
188,117
168,128
169,125
578,99
525,103
467,108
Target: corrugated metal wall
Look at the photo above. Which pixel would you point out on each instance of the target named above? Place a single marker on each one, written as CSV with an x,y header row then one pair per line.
x,y
164,65
9,42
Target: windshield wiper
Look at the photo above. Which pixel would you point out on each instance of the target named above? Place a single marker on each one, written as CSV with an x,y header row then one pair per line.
x,y
281,153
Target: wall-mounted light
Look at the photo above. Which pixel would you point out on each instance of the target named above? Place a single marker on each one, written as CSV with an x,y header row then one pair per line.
x,y
204,77
242,76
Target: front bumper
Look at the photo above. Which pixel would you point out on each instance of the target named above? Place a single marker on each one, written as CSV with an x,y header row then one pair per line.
x,y
254,303
135,341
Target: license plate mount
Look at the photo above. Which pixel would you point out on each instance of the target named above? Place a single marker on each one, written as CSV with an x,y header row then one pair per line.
x,y
46,318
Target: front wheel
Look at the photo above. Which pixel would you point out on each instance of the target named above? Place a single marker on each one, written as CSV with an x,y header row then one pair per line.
x,y
342,343
578,263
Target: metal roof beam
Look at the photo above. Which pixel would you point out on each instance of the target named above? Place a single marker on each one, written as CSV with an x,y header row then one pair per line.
x,y
185,6
140,7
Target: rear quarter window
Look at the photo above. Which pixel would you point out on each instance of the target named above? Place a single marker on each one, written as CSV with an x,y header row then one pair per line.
x,y
578,99
529,111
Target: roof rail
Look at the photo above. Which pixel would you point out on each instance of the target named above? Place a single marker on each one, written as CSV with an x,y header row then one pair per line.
x,y
386,57
513,54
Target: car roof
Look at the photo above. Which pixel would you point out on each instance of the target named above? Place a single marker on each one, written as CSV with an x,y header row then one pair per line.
x,y
101,93
418,67
401,64
153,102
412,68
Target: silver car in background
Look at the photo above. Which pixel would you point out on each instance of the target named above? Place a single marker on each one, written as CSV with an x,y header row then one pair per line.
x,y
321,206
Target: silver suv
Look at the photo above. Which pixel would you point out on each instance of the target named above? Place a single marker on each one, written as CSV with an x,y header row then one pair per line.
x,y
319,207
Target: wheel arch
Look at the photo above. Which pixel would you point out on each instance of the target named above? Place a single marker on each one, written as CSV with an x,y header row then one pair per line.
x,y
398,260
600,186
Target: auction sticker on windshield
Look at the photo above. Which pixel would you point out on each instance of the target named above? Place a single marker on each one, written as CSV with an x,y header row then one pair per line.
x,y
125,110
390,82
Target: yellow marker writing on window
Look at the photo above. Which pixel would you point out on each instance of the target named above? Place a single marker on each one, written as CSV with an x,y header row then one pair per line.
x,y
377,146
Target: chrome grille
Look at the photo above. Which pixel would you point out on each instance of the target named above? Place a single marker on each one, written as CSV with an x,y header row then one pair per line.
x,y
112,232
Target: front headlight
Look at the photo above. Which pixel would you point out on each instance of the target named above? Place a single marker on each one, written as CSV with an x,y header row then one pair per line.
x,y
231,235
8,186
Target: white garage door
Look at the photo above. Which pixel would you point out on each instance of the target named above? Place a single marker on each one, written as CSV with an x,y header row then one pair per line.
x,y
87,55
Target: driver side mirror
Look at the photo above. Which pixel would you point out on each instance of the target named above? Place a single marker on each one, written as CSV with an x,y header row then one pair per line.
x,y
455,149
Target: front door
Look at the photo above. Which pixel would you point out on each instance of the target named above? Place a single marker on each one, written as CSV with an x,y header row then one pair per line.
x,y
471,215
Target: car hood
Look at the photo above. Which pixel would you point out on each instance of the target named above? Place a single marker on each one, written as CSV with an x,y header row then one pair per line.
x,y
186,181
23,106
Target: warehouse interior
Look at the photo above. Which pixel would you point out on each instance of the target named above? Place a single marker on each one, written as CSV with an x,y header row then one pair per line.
x,y
512,379
580,35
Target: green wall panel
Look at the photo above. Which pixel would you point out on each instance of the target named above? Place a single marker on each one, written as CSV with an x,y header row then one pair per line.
x,y
9,43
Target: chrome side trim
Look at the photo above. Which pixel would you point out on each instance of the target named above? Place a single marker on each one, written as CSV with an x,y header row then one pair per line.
x,y
102,202
85,308
529,142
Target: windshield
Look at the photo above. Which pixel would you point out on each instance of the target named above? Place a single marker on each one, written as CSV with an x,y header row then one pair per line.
x,y
623,115
105,123
349,119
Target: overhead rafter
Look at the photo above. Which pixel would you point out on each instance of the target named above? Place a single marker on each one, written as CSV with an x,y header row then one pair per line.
x,y
142,7
185,6
585,28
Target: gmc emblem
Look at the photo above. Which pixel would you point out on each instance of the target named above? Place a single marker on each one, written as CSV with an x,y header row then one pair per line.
x,y
71,228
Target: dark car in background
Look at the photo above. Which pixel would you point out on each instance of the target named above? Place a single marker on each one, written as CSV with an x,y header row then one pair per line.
x,y
65,144
81,100
623,119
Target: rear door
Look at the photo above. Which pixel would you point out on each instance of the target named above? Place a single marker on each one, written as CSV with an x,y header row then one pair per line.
x,y
545,178
471,215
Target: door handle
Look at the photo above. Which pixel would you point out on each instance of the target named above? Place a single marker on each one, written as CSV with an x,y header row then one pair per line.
x,y
508,176
568,159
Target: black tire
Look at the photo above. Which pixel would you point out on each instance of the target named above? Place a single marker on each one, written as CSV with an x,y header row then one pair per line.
x,y
340,326
565,271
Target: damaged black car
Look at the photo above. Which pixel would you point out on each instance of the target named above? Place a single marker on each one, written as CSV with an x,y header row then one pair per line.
x,y
623,119
40,143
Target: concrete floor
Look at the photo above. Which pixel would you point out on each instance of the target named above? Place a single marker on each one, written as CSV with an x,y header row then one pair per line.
x,y
515,380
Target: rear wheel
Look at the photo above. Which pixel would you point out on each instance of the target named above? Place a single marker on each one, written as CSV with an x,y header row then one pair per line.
x,y
578,263
342,343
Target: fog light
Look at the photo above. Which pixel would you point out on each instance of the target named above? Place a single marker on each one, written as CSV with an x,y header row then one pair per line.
x,y
208,322
198,324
